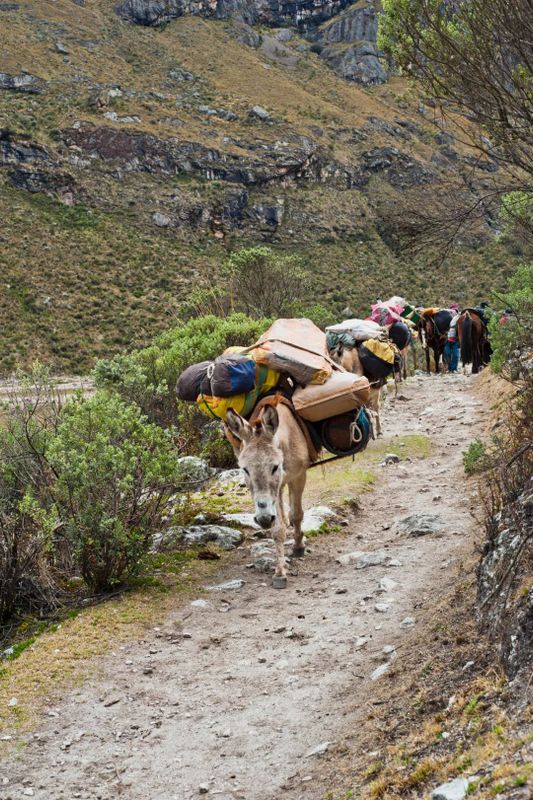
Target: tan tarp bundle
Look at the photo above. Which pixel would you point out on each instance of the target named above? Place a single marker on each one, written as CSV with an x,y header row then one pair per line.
x,y
296,347
341,393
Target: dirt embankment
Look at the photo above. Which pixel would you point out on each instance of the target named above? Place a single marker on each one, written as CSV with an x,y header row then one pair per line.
x,y
251,692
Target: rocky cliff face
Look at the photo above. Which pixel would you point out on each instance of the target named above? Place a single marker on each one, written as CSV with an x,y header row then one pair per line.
x,y
268,12
345,31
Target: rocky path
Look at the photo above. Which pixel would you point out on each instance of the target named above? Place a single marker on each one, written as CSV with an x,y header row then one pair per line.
x,y
239,695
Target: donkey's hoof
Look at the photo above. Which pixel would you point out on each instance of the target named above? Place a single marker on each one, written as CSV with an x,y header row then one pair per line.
x,y
298,552
279,582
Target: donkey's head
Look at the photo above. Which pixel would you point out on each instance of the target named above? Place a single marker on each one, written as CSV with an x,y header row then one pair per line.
x,y
261,459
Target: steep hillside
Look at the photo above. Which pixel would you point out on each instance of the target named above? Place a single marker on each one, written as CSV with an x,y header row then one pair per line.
x,y
138,147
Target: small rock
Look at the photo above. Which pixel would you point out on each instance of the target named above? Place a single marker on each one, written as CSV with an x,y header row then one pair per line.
x,y
389,649
315,517
361,641
408,622
319,750
420,524
360,559
227,587
61,48
386,584
203,788
260,112
161,220
28,792
201,604
454,790
391,458
13,702
382,607
246,520
380,671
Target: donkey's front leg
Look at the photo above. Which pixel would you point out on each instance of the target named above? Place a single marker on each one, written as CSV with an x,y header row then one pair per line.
x,y
279,534
296,490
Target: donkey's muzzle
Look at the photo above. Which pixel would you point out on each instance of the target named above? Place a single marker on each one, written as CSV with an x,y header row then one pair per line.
x,y
265,520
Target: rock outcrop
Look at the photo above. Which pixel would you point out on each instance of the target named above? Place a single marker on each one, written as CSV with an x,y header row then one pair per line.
x,y
349,45
349,40
268,12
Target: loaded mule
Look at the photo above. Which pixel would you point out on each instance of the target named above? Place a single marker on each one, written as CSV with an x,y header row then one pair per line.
x,y
274,450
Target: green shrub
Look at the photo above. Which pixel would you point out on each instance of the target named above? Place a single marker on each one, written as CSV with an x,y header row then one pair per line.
x,y
474,459
115,474
513,342
148,376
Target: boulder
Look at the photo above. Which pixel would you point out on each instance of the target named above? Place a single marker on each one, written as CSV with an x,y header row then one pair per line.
x,y
228,586
195,471
454,790
30,84
227,538
421,524
315,517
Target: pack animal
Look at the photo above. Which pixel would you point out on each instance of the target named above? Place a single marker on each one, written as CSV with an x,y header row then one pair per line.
x,y
472,340
273,452
433,330
348,357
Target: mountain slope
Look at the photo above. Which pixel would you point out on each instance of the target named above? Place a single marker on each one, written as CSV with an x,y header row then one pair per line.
x,y
133,158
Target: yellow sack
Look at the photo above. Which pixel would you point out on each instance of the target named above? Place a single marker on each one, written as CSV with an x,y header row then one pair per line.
x,y
217,407
382,350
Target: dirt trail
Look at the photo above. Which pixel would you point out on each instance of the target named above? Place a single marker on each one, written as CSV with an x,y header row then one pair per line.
x,y
230,698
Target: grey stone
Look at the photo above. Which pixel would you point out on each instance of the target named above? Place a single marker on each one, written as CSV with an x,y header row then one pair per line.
x,y
380,671
195,470
361,560
224,537
245,519
230,477
315,517
260,112
391,458
421,524
382,607
386,584
30,84
61,48
408,622
114,117
229,586
454,790
319,750
161,220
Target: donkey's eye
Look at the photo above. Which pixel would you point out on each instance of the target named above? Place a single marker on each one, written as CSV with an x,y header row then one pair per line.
x,y
245,470
275,469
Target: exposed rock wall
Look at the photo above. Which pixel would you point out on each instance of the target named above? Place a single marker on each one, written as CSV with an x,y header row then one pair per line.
x,y
270,12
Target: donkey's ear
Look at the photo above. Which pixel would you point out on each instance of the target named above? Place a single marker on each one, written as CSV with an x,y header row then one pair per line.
x,y
269,420
238,426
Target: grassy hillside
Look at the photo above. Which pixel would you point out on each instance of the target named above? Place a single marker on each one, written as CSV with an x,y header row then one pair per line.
x,y
141,164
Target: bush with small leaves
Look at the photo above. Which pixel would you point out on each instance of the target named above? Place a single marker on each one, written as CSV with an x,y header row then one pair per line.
x,y
115,476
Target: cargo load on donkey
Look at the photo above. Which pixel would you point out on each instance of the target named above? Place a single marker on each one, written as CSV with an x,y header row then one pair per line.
x,y
289,359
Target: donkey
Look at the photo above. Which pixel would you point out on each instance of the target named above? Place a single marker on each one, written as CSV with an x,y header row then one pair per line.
x,y
273,453
349,359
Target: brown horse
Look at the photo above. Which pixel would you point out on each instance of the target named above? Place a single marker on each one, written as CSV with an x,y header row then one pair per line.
x,y
433,330
472,340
